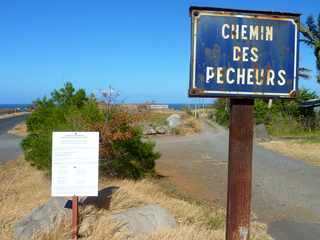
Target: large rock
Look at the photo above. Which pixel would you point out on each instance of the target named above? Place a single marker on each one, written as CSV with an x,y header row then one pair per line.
x,y
174,120
161,129
103,199
152,129
42,219
146,219
148,130
261,133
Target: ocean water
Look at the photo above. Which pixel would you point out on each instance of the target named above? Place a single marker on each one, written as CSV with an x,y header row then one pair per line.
x,y
14,106
179,106
176,106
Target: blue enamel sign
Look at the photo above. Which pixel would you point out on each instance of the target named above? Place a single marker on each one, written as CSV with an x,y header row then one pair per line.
x,y
243,53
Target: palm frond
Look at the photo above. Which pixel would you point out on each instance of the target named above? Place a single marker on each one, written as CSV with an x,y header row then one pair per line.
x,y
317,54
306,32
307,42
312,25
304,73
318,26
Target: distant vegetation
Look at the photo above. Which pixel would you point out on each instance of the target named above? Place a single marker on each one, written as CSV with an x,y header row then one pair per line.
x,y
123,152
283,118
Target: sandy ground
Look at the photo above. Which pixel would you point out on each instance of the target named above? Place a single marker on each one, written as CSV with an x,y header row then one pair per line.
x,y
285,191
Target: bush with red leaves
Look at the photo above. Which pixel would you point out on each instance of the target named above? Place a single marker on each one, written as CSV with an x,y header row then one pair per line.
x,y
123,151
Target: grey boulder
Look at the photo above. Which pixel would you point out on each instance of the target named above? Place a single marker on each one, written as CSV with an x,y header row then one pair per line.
x,y
174,120
149,130
146,219
161,129
42,219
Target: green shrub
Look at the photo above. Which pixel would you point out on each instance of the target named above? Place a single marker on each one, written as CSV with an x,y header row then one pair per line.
x,y
123,152
66,110
138,160
222,113
261,111
282,112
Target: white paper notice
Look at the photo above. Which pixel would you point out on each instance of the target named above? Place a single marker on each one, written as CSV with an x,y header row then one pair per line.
x,y
75,163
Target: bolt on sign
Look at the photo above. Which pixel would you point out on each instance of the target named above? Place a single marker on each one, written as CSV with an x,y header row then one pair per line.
x,y
243,53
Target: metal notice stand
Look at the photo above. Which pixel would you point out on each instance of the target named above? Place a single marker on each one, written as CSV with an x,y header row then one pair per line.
x,y
75,168
75,211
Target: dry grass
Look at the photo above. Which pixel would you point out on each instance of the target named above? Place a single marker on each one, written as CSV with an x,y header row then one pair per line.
x,y
307,151
189,125
186,232
22,188
157,116
25,188
19,130
134,193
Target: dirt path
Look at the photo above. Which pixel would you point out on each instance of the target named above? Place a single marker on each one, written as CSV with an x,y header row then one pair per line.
x,y
286,192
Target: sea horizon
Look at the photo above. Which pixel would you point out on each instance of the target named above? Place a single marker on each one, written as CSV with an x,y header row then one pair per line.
x,y
170,105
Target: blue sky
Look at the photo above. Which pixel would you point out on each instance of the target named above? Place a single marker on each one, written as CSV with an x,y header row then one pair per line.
x,y
139,47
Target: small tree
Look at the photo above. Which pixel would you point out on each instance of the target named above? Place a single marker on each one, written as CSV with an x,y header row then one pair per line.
x,y
123,152
66,110
110,96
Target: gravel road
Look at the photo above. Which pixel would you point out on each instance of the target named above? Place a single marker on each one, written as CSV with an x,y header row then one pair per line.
x,y
286,192
9,145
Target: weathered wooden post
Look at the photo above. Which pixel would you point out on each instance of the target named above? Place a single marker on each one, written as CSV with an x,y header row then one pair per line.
x,y
240,169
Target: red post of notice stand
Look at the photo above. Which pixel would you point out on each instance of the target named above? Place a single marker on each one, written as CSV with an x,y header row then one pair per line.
x,y
240,169
74,218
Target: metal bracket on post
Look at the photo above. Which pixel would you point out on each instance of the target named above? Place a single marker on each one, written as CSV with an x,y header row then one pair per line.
x,y
240,169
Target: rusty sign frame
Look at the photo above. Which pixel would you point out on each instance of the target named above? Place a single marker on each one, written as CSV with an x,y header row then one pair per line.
x,y
196,12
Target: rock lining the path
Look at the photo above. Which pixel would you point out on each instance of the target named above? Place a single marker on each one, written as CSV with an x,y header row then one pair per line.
x,y
42,219
174,120
146,219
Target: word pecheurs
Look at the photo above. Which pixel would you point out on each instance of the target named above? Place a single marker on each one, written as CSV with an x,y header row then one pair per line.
x,y
242,75
246,54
